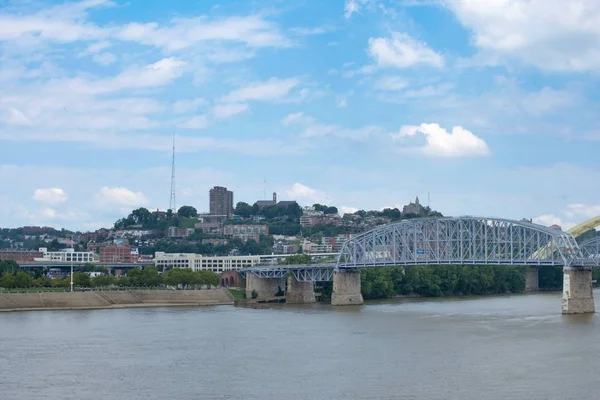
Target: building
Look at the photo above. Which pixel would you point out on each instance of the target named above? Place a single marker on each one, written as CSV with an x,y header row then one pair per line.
x,y
245,232
175,232
210,223
20,256
215,241
198,262
310,247
267,203
282,247
118,254
336,242
414,208
220,201
310,217
66,255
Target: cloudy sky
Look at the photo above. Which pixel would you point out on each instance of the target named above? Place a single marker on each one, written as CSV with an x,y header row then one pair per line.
x,y
491,106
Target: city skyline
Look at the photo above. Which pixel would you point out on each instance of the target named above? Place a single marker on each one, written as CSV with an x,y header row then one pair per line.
x,y
361,104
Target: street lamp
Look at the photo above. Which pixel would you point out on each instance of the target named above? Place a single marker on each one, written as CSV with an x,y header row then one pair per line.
x,y
72,254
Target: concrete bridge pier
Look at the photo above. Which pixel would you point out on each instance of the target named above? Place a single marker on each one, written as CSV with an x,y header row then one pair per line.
x,y
299,292
265,288
532,278
578,297
346,288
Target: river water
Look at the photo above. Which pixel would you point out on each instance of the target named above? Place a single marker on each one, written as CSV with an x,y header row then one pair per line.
x,y
510,347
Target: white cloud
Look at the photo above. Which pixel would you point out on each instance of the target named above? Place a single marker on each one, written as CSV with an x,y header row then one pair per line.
x,y
313,129
439,142
185,106
551,219
157,74
273,89
402,51
350,8
309,31
583,210
429,91
120,196
183,33
342,100
306,195
297,118
105,58
197,122
62,23
97,47
229,110
391,83
50,196
354,6
564,37
12,116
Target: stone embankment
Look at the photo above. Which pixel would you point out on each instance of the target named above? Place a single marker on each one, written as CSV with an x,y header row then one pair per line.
x,y
112,299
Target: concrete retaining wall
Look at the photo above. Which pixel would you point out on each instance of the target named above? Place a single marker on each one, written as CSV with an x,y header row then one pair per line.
x,y
111,299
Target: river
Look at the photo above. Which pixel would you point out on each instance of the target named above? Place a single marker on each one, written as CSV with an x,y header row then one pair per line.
x,y
506,347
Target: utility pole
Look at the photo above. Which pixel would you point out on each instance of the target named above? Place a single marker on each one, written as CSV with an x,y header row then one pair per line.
x,y
72,254
172,205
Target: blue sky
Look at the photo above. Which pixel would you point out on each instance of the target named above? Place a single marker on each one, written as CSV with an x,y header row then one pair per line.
x,y
491,106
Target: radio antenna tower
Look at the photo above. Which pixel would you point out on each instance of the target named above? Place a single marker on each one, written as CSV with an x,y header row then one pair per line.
x,y
172,205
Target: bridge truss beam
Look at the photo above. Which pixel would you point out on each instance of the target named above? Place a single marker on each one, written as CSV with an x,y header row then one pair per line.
x,y
463,240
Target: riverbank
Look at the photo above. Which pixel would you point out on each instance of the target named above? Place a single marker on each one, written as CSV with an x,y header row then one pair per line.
x,y
95,300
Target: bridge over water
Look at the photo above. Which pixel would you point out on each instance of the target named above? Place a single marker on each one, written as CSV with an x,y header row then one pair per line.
x,y
441,241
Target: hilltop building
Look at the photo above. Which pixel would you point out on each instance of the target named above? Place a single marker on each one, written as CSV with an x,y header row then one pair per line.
x,y
414,208
267,203
220,201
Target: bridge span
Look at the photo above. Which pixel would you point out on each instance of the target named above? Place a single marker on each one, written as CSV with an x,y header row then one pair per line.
x,y
441,241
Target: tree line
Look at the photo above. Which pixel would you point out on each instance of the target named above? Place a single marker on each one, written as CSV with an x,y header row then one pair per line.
x,y
137,277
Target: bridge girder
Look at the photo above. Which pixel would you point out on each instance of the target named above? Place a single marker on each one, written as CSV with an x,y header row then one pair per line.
x,y
591,251
460,240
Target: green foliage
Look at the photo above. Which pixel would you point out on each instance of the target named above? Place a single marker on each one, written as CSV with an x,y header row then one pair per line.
x,y
186,277
81,279
8,266
254,294
550,277
244,210
441,280
187,212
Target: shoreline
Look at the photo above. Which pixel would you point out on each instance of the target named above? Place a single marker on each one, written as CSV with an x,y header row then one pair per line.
x,y
101,300
117,306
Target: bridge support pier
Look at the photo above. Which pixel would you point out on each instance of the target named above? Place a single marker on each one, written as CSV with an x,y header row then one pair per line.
x,y
346,288
299,292
532,278
265,287
578,296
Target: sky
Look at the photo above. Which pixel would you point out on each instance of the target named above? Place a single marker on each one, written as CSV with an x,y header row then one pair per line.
x,y
479,107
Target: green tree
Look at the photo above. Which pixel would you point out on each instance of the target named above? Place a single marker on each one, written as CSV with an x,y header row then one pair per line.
x,y
81,279
187,212
23,280
244,210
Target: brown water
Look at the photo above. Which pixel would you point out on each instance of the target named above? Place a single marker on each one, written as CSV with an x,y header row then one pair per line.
x,y
517,347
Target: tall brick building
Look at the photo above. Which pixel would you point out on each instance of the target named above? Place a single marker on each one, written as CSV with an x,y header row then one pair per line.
x,y
220,201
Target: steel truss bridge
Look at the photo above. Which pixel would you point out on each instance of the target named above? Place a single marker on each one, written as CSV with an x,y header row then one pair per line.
x,y
449,241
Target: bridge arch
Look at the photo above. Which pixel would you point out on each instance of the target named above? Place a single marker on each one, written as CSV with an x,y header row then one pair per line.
x,y
585,226
460,240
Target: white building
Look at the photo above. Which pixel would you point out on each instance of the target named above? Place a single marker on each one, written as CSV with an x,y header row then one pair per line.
x,y
199,262
67,255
